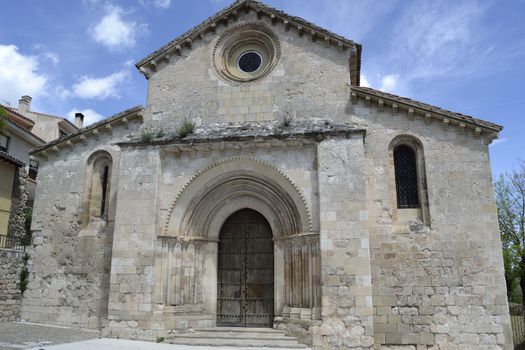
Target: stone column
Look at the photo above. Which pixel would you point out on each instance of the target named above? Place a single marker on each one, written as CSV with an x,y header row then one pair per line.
x,y
345,254
134,243
279,278
209,284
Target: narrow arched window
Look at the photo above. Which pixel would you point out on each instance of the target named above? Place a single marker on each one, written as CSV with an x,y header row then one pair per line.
x,y
405,165
98,186
104,181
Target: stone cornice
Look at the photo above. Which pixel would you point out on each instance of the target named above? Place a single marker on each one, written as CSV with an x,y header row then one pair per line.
x,y
93,130
231,13
250,135
381,100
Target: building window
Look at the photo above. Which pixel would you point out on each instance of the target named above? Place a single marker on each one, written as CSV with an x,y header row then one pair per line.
x,y
104,181
246,53
97,193
249,62
405,166
4,142
33,169
408,181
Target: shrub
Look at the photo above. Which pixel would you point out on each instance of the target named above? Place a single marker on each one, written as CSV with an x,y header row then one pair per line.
x,y
286,119
24,278
146,135
186,127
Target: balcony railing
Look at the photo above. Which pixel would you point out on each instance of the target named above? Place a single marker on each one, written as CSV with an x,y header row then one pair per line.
x,y
9,242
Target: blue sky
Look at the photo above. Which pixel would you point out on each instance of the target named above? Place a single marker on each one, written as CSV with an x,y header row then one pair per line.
x,y
466,56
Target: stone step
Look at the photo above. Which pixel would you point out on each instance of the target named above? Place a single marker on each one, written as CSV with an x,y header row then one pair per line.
x,y
238,337
241,329
234,335
221,342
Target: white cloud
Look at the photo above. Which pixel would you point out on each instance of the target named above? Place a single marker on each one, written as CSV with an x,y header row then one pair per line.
x,y
363,81
19,75
100,88
62,92
389,83
115,32
156,3
439,39
498,141
162,3
90,116
342,16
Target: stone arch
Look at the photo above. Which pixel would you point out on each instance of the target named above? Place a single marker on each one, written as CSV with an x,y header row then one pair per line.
x,y
423,212
223,187
187,250
99,168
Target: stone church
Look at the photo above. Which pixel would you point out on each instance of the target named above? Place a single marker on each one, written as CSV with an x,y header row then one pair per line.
x,y
262,187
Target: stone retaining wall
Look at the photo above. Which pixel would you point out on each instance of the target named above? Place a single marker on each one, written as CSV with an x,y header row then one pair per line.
x,y
11,265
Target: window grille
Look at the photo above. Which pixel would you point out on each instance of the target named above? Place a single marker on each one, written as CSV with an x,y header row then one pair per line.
x,y
406,177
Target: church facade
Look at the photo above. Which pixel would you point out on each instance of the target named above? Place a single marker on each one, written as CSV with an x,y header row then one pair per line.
x,y
261,186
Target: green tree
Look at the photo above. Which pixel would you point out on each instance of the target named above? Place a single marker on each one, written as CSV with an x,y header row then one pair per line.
x,y
3,121
510,199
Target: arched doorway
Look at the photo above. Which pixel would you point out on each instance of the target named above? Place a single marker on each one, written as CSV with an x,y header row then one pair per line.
x,y
245,280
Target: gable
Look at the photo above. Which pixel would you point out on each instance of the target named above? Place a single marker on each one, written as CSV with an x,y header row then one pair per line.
x,y
230,15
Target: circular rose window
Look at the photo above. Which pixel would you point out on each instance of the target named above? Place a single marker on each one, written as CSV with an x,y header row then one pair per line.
x,y
249,62
246,53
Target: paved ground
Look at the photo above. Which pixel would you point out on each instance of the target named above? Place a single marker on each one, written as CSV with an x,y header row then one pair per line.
x,y
15,335
40,337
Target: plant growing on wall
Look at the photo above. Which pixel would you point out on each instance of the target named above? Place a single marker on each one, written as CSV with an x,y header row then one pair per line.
x,y
3,120
186,127
510,200
146,135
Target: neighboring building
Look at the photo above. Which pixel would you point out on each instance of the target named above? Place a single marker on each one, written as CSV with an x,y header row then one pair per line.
x,y
16,188
345,216
47,127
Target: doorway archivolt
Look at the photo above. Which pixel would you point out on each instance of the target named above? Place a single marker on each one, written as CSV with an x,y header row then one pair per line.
x,y
187,251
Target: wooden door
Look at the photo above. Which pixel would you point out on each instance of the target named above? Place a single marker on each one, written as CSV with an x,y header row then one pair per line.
x,y
245,271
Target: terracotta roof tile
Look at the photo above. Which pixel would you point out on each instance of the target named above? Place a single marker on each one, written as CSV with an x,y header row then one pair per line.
x,y
10,159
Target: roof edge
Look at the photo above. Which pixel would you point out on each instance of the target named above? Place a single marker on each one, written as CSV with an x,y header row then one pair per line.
x,y
431,111
12,110
209,24
24,131
6,157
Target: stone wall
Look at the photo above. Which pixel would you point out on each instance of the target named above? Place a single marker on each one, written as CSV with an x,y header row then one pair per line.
x,y
70,264
11,265
17,218
345,254
439,284
310,80
143,214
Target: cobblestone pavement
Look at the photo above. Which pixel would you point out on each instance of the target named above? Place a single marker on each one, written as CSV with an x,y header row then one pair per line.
x,y
17,335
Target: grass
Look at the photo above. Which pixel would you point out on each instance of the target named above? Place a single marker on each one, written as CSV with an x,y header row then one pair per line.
x,y
186,127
